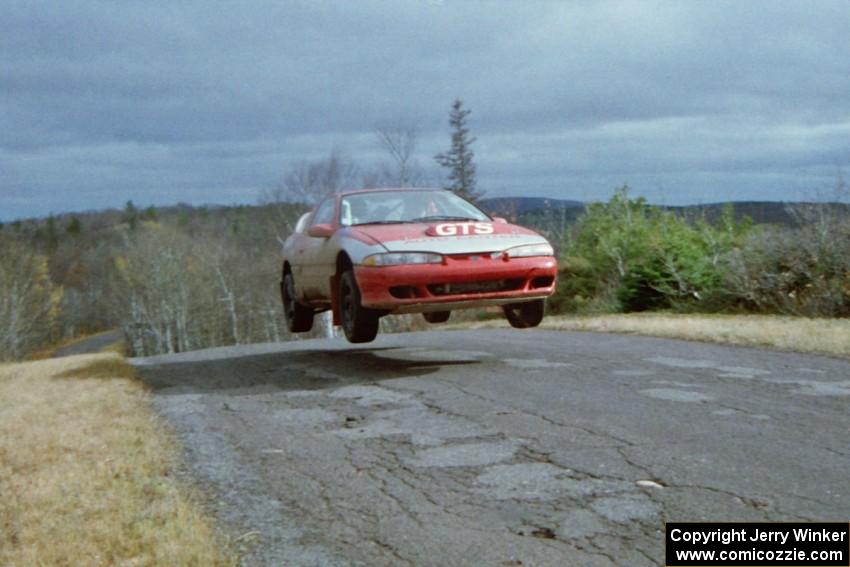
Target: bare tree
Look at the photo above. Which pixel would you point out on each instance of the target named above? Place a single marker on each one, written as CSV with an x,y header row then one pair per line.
x,y
160,282
380,176
824,209
29,301
305,184
221,261
310,181
399,141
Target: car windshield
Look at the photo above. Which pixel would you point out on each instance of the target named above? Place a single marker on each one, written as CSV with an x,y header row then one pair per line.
x,y
406,206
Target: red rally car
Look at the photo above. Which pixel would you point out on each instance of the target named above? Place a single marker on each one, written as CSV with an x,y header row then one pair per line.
x,y
366,254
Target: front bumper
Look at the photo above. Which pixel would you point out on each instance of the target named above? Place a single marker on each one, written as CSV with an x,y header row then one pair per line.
x,y
461,282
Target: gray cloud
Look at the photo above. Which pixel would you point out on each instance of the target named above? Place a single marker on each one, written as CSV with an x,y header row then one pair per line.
x,y
207,102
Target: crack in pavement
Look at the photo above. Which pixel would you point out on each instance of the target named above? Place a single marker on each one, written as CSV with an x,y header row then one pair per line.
x,y
353,456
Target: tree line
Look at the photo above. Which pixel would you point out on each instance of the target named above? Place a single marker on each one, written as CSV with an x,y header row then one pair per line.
x,y
182,277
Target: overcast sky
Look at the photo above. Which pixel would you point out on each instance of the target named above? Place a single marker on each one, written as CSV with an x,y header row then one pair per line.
x,y
210,102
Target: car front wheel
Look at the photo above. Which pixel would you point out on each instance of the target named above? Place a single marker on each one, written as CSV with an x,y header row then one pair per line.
x,y
525,315
359,323
299,317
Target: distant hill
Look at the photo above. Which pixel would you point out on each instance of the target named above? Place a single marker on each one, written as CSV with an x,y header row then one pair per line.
x,y
761,212
765,212
511,206
540,212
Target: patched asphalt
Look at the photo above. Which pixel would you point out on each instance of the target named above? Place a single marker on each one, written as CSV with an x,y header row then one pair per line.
x,y
502,447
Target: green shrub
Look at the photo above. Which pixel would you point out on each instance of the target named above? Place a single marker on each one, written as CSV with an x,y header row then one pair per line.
x,y
625,255
804,271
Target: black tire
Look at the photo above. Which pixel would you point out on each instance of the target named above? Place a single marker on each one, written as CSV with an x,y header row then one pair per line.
x,y
299,317
437,316
359,324
525,315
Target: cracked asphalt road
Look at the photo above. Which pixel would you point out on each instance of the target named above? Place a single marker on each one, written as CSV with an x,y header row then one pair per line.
x,y
92,344
501,447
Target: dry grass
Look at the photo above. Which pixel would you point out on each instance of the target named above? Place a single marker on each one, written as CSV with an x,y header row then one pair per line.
x,y
85,472
821,336
119,347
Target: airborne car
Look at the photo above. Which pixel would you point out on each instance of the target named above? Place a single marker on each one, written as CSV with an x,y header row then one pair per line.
x,y
369,253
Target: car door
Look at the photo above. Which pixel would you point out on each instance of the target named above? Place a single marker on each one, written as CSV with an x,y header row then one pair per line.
x,y
316,251
293,251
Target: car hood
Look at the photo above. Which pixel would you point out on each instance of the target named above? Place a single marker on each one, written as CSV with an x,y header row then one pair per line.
x,y
425,237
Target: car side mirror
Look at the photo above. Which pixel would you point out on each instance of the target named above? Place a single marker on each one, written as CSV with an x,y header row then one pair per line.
x,y
321,230
500,220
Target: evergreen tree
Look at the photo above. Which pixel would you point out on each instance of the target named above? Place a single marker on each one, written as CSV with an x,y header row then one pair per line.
x,y
131,214
51,237
74,227
458,160
151,214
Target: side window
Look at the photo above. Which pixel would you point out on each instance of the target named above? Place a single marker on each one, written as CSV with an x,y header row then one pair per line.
x,y
325,213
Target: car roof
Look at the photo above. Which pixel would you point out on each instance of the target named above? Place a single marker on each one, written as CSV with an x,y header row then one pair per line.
x,y
347,192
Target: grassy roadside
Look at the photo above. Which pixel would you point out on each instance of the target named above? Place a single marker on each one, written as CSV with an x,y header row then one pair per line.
x,y
85,472
119,347
818,336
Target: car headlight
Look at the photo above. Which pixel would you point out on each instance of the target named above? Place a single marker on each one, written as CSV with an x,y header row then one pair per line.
x,y
402,258
527,251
